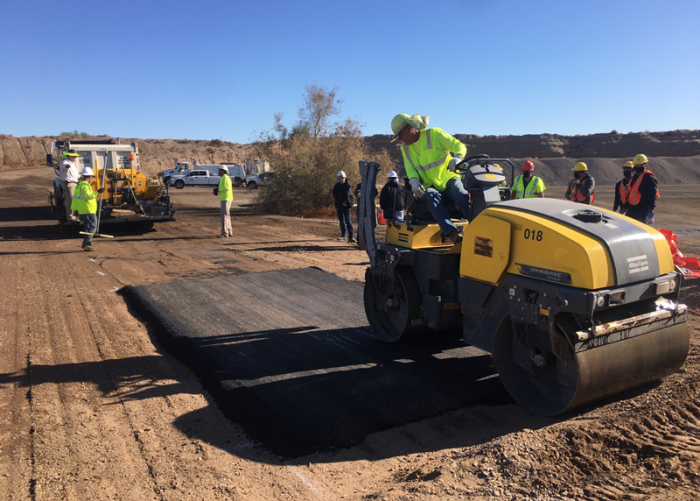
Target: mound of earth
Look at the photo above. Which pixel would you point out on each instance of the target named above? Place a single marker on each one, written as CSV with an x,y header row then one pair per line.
x,y
159,154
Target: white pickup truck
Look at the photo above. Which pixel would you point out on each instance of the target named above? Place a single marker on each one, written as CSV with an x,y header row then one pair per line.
x,y
195,178
182,169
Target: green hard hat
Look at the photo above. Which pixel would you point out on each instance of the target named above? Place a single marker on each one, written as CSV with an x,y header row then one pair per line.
x,y
398,123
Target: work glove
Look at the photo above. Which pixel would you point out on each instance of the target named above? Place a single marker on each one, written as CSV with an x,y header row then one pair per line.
x,y
416,187
101,190
216,191
650,218
453,163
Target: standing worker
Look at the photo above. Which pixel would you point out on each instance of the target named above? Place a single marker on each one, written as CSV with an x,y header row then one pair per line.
x,y
391,199
582,186
68,174
643,191
430,157
85,204
225,192
528,185
342,196
622,188
358,197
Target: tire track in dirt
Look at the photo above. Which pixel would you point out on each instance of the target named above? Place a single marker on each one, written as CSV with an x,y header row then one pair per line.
x,y
18,446
97,315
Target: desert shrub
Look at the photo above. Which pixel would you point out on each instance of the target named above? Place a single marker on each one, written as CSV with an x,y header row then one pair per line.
x,y
74,133
307,159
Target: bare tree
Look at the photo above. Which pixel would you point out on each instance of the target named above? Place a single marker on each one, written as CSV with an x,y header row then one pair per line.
x,y
307,157
320,106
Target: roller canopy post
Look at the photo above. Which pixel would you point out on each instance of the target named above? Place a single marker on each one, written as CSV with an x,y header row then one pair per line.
x,y
367,217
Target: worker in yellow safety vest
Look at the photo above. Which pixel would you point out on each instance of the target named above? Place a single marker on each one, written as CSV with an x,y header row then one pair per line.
x,y
85,204
528,185
225,192
430,157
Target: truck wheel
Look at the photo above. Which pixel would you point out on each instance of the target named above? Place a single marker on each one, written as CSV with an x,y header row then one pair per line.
x,y
253,185
179,184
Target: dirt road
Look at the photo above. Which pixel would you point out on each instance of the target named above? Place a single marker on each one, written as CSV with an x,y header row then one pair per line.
x,y
91,408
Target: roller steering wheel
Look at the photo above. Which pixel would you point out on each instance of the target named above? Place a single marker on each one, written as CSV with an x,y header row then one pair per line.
x,y
474,159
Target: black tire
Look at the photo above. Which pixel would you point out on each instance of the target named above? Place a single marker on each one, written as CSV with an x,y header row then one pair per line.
x,y
179,184
391,313
253,185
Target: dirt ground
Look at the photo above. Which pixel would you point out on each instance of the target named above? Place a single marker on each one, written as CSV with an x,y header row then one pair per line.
x,y
88,402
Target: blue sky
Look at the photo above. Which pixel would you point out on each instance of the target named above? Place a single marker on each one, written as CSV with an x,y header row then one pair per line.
x,y
221,69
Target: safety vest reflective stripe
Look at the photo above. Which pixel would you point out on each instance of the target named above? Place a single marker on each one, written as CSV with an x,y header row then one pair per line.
x,y
635,197
427,138
521,192
624,191
424,168
578,196
81,202
408,156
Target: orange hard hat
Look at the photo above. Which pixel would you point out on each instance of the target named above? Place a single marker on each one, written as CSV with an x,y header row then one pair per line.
x,y
528,166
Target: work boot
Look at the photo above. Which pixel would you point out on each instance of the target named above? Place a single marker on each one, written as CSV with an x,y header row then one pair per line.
x,y
352,240
88,248
454,237
84,244
221,236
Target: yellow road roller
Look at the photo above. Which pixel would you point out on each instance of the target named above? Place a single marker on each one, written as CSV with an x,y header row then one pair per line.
x,y
575,303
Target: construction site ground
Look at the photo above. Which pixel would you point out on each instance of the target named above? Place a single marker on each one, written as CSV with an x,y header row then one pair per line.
x,y
93,405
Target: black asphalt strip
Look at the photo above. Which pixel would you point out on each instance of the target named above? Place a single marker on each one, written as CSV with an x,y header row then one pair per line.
x,y
289,356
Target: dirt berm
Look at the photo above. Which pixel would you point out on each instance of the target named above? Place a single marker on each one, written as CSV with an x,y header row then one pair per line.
x,y
159,154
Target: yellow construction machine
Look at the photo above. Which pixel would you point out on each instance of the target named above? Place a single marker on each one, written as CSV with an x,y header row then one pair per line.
x,y
129,197
575,303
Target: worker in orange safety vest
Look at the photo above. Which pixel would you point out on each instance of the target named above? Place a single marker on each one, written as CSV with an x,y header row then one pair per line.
x,y
643,191
581,186
622,188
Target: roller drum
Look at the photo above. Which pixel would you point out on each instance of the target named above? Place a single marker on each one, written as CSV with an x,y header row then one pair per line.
x,y
571,379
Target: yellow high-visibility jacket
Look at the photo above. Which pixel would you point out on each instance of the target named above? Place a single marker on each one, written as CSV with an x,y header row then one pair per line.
x,y
427,158
533,188
225,188
84,199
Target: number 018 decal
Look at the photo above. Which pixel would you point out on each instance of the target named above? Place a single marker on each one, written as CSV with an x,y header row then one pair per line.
x,y
533,235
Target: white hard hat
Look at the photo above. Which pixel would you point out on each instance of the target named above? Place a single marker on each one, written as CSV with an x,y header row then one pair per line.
x,y
224,168
87,171
341,174
392,175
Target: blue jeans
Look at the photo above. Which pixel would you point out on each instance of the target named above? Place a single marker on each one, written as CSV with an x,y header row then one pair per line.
x,y
89,226
345,223
453,191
